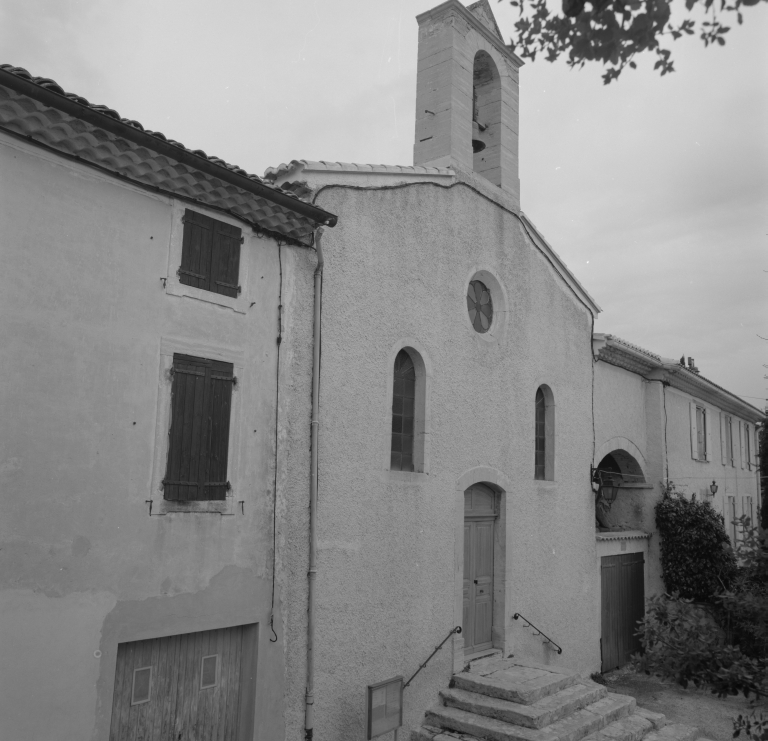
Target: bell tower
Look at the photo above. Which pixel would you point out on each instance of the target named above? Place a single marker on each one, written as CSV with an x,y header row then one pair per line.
x,y
467,95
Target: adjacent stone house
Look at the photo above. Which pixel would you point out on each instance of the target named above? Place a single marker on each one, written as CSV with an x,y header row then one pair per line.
x,y
658,420
141,329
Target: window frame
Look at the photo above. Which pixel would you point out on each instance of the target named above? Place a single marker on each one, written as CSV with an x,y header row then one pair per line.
x,y
422,409
549,433
172,281
156,500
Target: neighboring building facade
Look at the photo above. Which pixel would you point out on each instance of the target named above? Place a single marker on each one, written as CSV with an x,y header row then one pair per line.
x,y
140,302
658,421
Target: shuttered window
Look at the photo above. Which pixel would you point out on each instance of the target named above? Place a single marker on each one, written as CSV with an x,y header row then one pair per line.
x,y
403,413
201,401
210,254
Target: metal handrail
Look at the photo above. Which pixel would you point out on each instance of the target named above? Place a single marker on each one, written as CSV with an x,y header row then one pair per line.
x,y
538,632
456,630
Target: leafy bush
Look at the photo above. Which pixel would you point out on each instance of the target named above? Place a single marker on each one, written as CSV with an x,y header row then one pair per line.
x,y
755,726
684,642
696,557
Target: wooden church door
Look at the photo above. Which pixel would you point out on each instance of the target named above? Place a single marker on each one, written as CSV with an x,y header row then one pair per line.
x,y
479,526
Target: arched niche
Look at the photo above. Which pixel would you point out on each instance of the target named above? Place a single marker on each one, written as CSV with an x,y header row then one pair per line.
x,y
486,118
631,508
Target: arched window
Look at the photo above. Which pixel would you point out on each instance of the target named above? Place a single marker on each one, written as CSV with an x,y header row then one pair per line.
x,y
544,435
403,413
486,118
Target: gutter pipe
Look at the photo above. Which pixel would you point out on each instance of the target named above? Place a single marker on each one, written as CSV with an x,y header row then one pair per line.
x,y
309,721
153,143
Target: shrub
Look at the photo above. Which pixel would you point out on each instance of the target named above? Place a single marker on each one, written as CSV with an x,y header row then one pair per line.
x,y
696,557
684,642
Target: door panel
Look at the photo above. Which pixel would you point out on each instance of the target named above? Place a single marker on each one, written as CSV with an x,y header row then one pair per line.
x,y
467,584
183,701
622,605
478,583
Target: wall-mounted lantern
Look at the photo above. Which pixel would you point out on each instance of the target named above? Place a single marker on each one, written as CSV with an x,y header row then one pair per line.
x,y
713,488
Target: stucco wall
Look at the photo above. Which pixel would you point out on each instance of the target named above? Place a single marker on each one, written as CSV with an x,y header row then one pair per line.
x,y
397,269
83,565
693,476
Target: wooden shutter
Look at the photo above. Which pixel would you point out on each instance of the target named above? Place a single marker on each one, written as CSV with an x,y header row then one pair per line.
x,y
201,400
196,250
706,415
210,254
722,439
748,446
225,270
694,432
741,443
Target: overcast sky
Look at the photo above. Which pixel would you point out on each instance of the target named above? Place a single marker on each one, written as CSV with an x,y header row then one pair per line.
x,y
653,190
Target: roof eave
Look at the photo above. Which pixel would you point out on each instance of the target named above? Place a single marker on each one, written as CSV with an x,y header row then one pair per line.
x,y
118,128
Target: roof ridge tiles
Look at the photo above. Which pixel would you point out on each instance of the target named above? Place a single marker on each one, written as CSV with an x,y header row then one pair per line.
x,y
274,173
52,85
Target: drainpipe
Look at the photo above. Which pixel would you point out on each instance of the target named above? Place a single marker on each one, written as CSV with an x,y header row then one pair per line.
x,y
310,697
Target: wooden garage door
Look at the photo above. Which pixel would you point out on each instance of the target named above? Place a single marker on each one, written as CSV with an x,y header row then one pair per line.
x,y
189,687
623,604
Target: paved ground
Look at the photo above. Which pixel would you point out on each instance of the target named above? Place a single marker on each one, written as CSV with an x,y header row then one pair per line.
x,y
711,715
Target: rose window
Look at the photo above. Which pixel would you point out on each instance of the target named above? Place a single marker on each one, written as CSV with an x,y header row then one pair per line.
x,y
480,306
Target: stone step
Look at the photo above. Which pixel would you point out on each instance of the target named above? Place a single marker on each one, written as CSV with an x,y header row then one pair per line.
x,y
658,720
579,724
632,728
508,679
538,714
674,732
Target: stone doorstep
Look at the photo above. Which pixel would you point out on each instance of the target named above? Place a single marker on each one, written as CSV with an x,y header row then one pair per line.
x,y
674,732
541,713
594,717
517,687
658,720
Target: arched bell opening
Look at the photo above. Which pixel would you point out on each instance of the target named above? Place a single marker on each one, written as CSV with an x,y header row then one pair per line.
x,y
486,118
620,499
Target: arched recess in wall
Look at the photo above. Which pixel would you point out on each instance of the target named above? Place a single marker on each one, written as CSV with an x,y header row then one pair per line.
x,y
409,376
544,434
486,118
623,501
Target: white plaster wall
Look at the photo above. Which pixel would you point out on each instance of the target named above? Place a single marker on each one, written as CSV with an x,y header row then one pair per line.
x,y
397,268
693,476
82,564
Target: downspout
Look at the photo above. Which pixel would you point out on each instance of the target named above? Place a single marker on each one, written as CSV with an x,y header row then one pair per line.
x,y
310,697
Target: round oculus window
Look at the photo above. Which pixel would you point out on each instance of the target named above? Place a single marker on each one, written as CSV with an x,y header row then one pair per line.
x,y
480,306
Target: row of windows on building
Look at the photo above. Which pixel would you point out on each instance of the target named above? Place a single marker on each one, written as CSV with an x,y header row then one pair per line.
x,y
736,438
201,395
408,421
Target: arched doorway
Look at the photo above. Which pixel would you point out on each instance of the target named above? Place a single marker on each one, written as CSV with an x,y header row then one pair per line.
x,y
480,515
619,509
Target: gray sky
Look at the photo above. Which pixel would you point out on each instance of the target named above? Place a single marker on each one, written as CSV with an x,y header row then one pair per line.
x,y
653,190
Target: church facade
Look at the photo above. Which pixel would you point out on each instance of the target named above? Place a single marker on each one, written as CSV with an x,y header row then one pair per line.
x,y
455,404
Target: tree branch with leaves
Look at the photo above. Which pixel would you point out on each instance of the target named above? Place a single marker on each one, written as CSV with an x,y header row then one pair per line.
x,y
615,32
